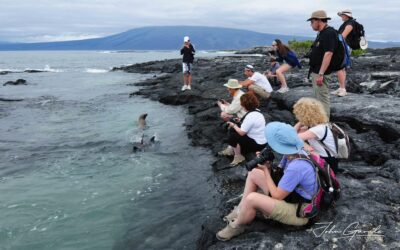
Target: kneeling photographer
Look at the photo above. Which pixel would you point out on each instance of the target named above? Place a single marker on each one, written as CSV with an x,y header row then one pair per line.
x,y
298,180
247,136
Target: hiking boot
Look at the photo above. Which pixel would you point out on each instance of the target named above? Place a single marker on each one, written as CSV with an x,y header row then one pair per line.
x,y
226,152
184,87
188,87
342,92
237,159
232,215
230,231
283,90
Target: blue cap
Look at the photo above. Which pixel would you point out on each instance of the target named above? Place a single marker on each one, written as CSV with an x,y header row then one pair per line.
x,y
283,138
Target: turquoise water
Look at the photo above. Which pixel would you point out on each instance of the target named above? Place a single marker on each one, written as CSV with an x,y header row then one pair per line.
x,y
68,177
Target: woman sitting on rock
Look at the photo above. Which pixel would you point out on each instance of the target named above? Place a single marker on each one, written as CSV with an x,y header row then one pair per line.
x,y
298,182
249,135
313,127
286,55
233,109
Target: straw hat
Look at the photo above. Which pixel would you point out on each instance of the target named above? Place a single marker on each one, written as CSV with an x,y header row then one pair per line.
x,y
346,13
233,84
319,14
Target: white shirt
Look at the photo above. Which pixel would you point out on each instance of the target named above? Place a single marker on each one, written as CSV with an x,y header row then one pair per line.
x,y
235,108
329,141
254,125
262,81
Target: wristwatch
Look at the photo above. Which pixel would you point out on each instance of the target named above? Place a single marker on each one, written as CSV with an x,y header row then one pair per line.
x,y
320,74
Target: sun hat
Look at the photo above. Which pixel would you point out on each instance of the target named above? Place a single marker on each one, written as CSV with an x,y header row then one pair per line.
x,y
346,13
283,138
249,67
233,84
363,43
186,39
319,14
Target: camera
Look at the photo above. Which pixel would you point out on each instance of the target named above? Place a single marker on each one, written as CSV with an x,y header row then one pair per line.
x,y
265,155
233,120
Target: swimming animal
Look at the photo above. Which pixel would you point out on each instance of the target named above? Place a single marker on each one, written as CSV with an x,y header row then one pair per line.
x,y
145,143
142,121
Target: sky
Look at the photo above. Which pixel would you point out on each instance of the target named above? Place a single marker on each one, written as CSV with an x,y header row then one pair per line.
x,y
60,20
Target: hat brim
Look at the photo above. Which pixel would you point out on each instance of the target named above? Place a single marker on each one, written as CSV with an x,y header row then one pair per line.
x,y
309,19
277,146
231,87
342,13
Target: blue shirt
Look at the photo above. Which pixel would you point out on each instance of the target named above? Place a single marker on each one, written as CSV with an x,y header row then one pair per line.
x,y
290,58
299,176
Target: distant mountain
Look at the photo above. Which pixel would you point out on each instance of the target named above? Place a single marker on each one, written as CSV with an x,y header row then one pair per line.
x,y
168,38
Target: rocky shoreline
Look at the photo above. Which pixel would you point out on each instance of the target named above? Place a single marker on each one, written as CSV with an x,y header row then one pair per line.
x,y
368,214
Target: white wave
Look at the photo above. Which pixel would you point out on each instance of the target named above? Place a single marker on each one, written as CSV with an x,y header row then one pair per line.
x,y
47,68
96,71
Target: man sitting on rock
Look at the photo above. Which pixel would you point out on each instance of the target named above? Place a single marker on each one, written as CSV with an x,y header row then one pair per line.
x,y
256,82
234,109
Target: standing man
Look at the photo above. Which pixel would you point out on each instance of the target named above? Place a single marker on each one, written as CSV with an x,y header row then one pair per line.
x,y
322,52
187,63
346,30
256,82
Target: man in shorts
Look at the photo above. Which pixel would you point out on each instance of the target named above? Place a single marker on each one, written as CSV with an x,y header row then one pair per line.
x,y
256,82
188,52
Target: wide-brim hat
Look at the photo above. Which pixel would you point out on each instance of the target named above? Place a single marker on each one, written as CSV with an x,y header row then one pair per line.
x,y
233,84
346,13
283,138
319,14
186,39
363,43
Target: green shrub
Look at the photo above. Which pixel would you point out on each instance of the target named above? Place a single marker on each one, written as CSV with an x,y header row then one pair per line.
x,y
300,47
357,52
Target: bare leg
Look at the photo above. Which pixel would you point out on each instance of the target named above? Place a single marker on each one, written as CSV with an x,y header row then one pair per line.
x,y
237,149
280,74
250,204
185,79
341,75
255,179
189,82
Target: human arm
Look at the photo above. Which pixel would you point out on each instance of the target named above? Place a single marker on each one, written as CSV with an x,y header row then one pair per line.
x,y
347,30
275,192
246,83
324,66
237,128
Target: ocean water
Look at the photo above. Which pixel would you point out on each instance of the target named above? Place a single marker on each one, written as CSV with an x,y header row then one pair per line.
x,y
68,177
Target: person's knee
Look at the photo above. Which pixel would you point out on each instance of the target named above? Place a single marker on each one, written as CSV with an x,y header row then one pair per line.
x,y
251,199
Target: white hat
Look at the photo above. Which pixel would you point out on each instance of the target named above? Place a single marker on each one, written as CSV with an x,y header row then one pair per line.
x,y
363,43
233,84
346,13
186,39
249,67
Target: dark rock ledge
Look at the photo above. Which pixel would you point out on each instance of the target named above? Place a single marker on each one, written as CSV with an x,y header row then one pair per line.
x,y
371,180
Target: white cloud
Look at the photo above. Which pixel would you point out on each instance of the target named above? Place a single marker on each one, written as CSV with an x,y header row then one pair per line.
x,y
65,19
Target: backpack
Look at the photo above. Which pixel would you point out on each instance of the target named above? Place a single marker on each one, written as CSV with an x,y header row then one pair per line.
x,y
341,55
342,142
357,34
328,192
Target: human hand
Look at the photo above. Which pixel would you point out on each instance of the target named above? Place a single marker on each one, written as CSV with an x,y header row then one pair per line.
x,y
319,79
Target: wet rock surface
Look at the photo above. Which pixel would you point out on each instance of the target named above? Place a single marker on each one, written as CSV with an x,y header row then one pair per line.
x,y
368,213
17,82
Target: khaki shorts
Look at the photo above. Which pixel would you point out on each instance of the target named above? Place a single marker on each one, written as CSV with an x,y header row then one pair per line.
x,y
285,213
259,91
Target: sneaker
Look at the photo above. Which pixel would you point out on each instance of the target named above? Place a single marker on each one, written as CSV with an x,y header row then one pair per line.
x,y
237,159
283,90
232,215
184,87
342,92
188,87
226,152
230,231
335,92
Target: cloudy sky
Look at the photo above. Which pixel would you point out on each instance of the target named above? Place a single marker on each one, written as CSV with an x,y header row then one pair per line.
x,y
57,20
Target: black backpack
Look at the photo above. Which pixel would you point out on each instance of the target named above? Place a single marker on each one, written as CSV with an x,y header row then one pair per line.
x,y
341,55
353,39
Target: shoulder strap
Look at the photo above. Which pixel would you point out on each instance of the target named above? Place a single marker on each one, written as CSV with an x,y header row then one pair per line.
x,y
317,180
328,151
256,110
